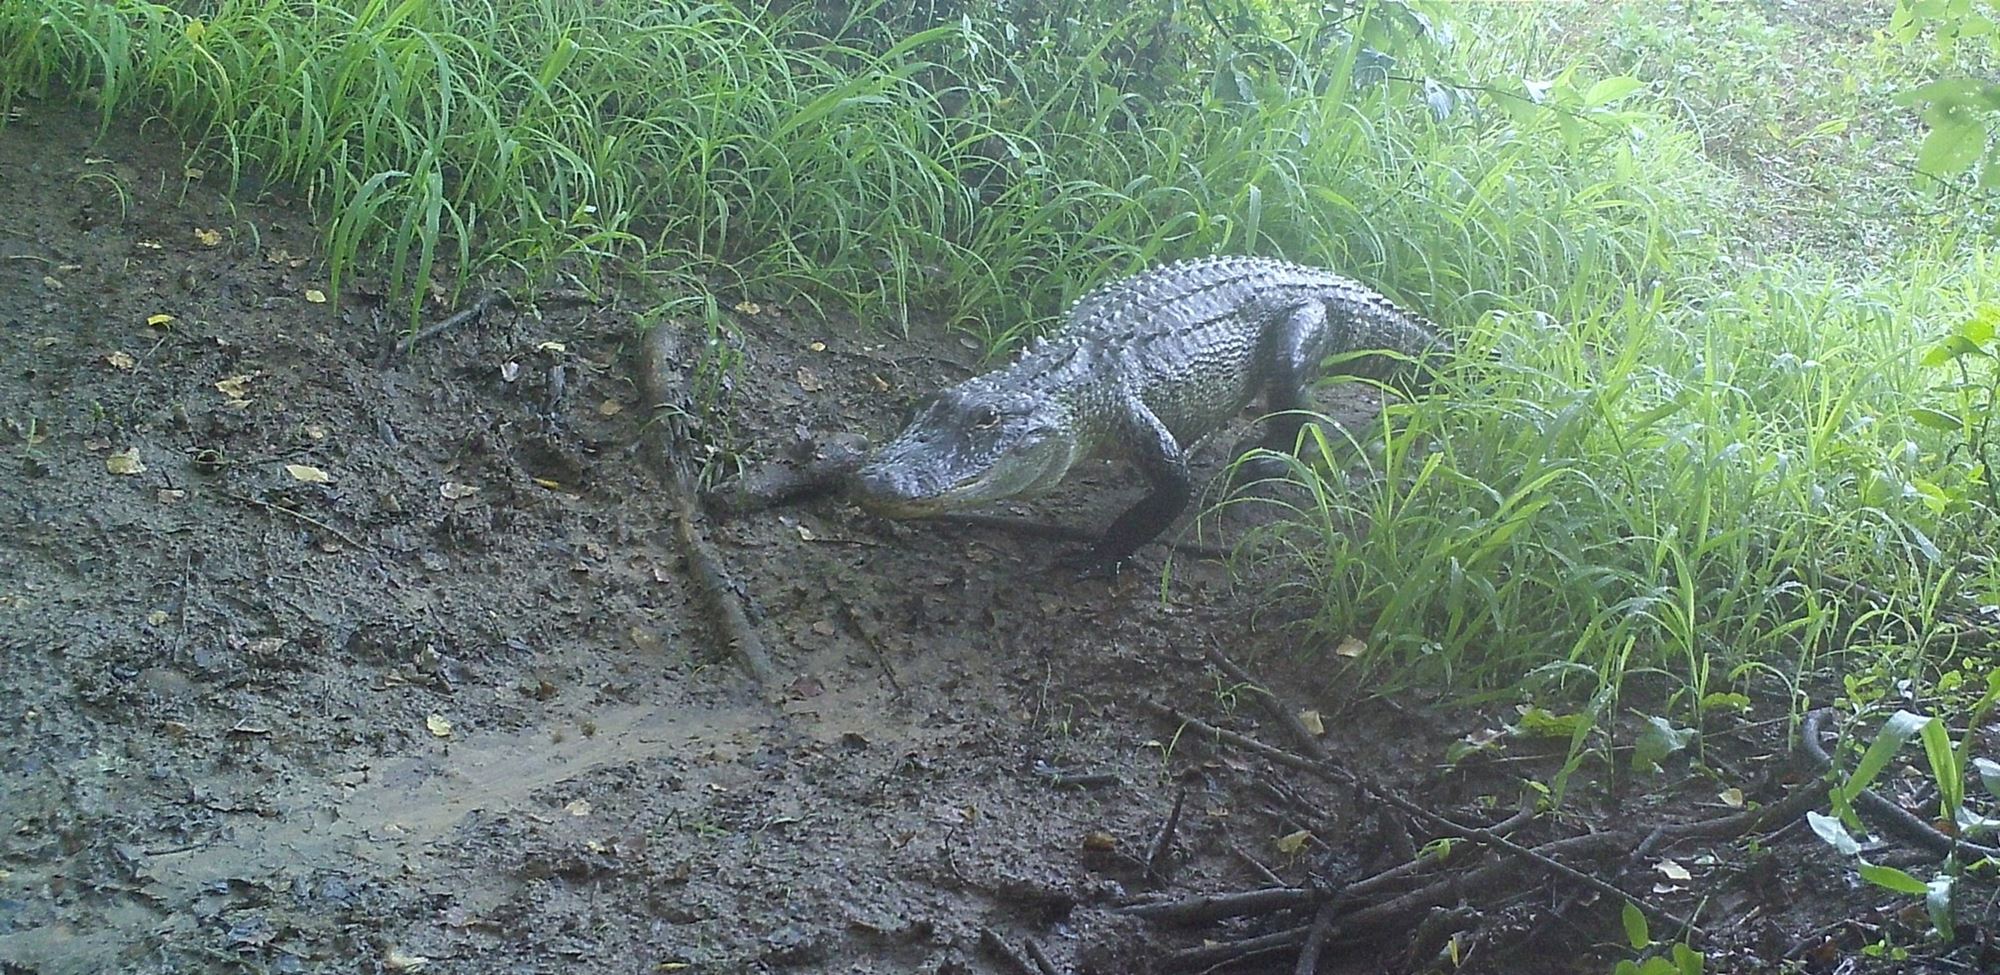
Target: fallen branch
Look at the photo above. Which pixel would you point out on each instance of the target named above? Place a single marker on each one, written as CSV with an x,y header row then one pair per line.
x,y
1885,814
1485,837
658,367
470,313
1163,844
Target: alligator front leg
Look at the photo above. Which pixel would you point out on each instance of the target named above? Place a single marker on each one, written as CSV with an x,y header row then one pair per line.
x,y
1160,458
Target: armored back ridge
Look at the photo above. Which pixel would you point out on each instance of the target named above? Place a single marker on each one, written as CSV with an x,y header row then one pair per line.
x,y
1143,368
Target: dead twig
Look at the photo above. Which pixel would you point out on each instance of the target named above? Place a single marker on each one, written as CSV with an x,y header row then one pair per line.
x,y
1163,844
1043,963
1885,814
658,367
470,313
1322,927
996,946
300,515
1209,908
1485,837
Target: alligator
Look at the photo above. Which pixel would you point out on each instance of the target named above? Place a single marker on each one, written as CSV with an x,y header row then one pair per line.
x,y
1144,368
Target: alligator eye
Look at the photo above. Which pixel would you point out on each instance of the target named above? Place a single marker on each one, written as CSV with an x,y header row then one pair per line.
x,y
984,418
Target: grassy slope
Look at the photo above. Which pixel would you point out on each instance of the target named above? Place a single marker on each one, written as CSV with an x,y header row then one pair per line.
x,y
1690,373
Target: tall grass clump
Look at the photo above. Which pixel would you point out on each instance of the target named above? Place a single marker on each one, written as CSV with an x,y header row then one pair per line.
x,y
889,169
1708,491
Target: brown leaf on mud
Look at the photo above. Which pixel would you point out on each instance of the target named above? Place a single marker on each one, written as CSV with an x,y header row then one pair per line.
x,y
161,320
1731,797
1673,871
578,807
610,407
1099,841
316,296
749,307
235,387
823,628
817,347
122,360
1350,648
207,237
1291,843
552,348
439,725
1313,722
125,462
307,474
50,282
808,380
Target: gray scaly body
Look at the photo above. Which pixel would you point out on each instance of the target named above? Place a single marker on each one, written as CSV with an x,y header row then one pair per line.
x,y
1143,368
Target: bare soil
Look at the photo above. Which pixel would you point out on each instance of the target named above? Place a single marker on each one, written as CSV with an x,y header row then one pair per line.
x,y
311,663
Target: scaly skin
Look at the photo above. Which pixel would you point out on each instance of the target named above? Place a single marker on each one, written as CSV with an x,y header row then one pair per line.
x,y
1143,368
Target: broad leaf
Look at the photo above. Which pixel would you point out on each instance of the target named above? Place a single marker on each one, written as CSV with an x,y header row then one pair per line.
x,y
1636,930
1890,878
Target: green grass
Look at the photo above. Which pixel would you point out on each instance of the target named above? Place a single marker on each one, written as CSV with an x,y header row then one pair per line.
x,y
1684,420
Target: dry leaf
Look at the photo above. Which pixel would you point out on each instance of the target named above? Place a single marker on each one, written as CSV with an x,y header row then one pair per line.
x,y
1291,843
1673,871
156,617
172,495
610,407
1350,648
235,387
817,346
808,381
1731,797
49,282
749,307
823,628
401,961
160,321
551,484
439,725
192,173
454,491
510,371
125,462
208,238
578,807
552,348
315,431
316,296
310,475
1099,841
122,360
1313,722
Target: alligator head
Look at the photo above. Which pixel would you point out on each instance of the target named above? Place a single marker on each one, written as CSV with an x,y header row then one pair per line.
x,y
968,445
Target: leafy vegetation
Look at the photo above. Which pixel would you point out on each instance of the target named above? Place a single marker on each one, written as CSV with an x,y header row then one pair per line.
x,y
1694,435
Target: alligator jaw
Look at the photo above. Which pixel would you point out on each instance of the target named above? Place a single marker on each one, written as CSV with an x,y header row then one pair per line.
x,y
968,449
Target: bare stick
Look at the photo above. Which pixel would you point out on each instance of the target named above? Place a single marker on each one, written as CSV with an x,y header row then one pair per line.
x,y
1156,858
470,313
657,369
1322,926
300,515
998,947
